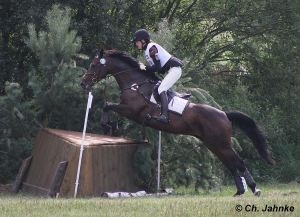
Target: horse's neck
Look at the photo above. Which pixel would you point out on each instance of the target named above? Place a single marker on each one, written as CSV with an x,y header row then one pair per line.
x,y
125,77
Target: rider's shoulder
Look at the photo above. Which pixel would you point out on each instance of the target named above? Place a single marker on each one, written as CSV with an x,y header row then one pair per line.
x,y
155,47
151,44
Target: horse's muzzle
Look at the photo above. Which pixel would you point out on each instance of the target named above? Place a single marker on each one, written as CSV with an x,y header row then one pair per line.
x,y
85,86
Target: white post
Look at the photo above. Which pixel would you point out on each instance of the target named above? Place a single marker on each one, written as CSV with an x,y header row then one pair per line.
x,y
89,105
158,161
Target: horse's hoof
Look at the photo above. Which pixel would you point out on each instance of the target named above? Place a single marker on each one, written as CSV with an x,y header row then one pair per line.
x,y
106,106
238,194
257,192
148,117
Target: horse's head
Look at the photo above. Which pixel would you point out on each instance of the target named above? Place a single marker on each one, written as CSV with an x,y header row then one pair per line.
x,y
125,69
96,72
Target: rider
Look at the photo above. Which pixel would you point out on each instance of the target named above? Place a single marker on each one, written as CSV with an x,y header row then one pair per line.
x,y
159,60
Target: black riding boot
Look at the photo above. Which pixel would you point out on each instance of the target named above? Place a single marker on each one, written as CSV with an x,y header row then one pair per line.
x,y
164,108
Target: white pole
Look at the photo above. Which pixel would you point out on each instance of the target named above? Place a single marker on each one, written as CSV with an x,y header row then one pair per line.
x,y
158,161
89,105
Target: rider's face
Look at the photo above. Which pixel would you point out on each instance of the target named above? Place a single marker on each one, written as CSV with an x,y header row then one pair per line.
x,y
139,45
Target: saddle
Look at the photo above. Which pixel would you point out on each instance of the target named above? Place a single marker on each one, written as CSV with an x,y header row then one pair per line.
x,y
171,94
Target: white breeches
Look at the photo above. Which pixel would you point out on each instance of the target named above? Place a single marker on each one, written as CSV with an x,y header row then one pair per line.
x,y
170,79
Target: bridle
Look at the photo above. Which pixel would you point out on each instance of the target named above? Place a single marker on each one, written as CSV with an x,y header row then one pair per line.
x,y
102,61
134,86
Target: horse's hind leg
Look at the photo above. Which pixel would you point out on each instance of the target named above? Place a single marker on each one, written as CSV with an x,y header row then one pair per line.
x,y
244,172
238,169
250,182
232,161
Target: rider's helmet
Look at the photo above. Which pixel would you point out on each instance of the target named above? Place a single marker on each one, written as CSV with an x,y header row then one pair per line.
x,y
141,34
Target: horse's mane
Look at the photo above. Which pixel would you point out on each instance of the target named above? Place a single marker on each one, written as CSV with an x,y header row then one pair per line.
x,y
133,62
124,56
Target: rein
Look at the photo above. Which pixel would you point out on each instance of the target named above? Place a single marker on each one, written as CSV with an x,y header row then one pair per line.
x,y
109,75
120,72
134,86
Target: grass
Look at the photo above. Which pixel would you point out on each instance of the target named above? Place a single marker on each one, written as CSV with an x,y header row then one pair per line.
x,y
214,204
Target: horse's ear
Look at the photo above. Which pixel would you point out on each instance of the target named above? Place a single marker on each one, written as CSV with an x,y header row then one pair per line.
x,y
97,53
101,53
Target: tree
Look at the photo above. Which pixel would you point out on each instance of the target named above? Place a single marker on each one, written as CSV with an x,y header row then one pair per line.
x,y
55,82
17,129
15,57
243,53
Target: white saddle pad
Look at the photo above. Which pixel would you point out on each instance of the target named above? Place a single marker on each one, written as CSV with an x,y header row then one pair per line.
x,y
176,104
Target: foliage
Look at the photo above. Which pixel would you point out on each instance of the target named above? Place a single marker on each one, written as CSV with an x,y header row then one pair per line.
x,y
17,128
239,55
55,82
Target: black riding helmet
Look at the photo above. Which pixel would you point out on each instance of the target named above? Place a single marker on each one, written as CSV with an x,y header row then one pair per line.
x,y
141,34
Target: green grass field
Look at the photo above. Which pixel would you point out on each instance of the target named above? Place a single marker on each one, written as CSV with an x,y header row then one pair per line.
x,y
213,204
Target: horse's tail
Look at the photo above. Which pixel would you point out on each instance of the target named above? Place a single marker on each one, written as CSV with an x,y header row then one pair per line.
x,y
248,125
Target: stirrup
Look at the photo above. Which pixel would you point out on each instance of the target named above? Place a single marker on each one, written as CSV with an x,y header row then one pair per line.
x,y
161,118
184,95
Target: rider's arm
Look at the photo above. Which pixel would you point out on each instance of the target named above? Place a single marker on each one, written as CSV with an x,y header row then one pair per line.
x,y
154,55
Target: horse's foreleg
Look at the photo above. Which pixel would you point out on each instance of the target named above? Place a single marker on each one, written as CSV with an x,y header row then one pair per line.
x,y
122,109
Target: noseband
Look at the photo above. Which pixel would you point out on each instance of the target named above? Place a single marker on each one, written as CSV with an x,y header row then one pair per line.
x,y
102,61
134,86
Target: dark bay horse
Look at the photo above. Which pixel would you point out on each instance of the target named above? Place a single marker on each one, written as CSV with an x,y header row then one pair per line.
x,y
212,126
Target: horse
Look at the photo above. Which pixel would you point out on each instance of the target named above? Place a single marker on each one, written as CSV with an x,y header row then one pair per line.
x,y
211,125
